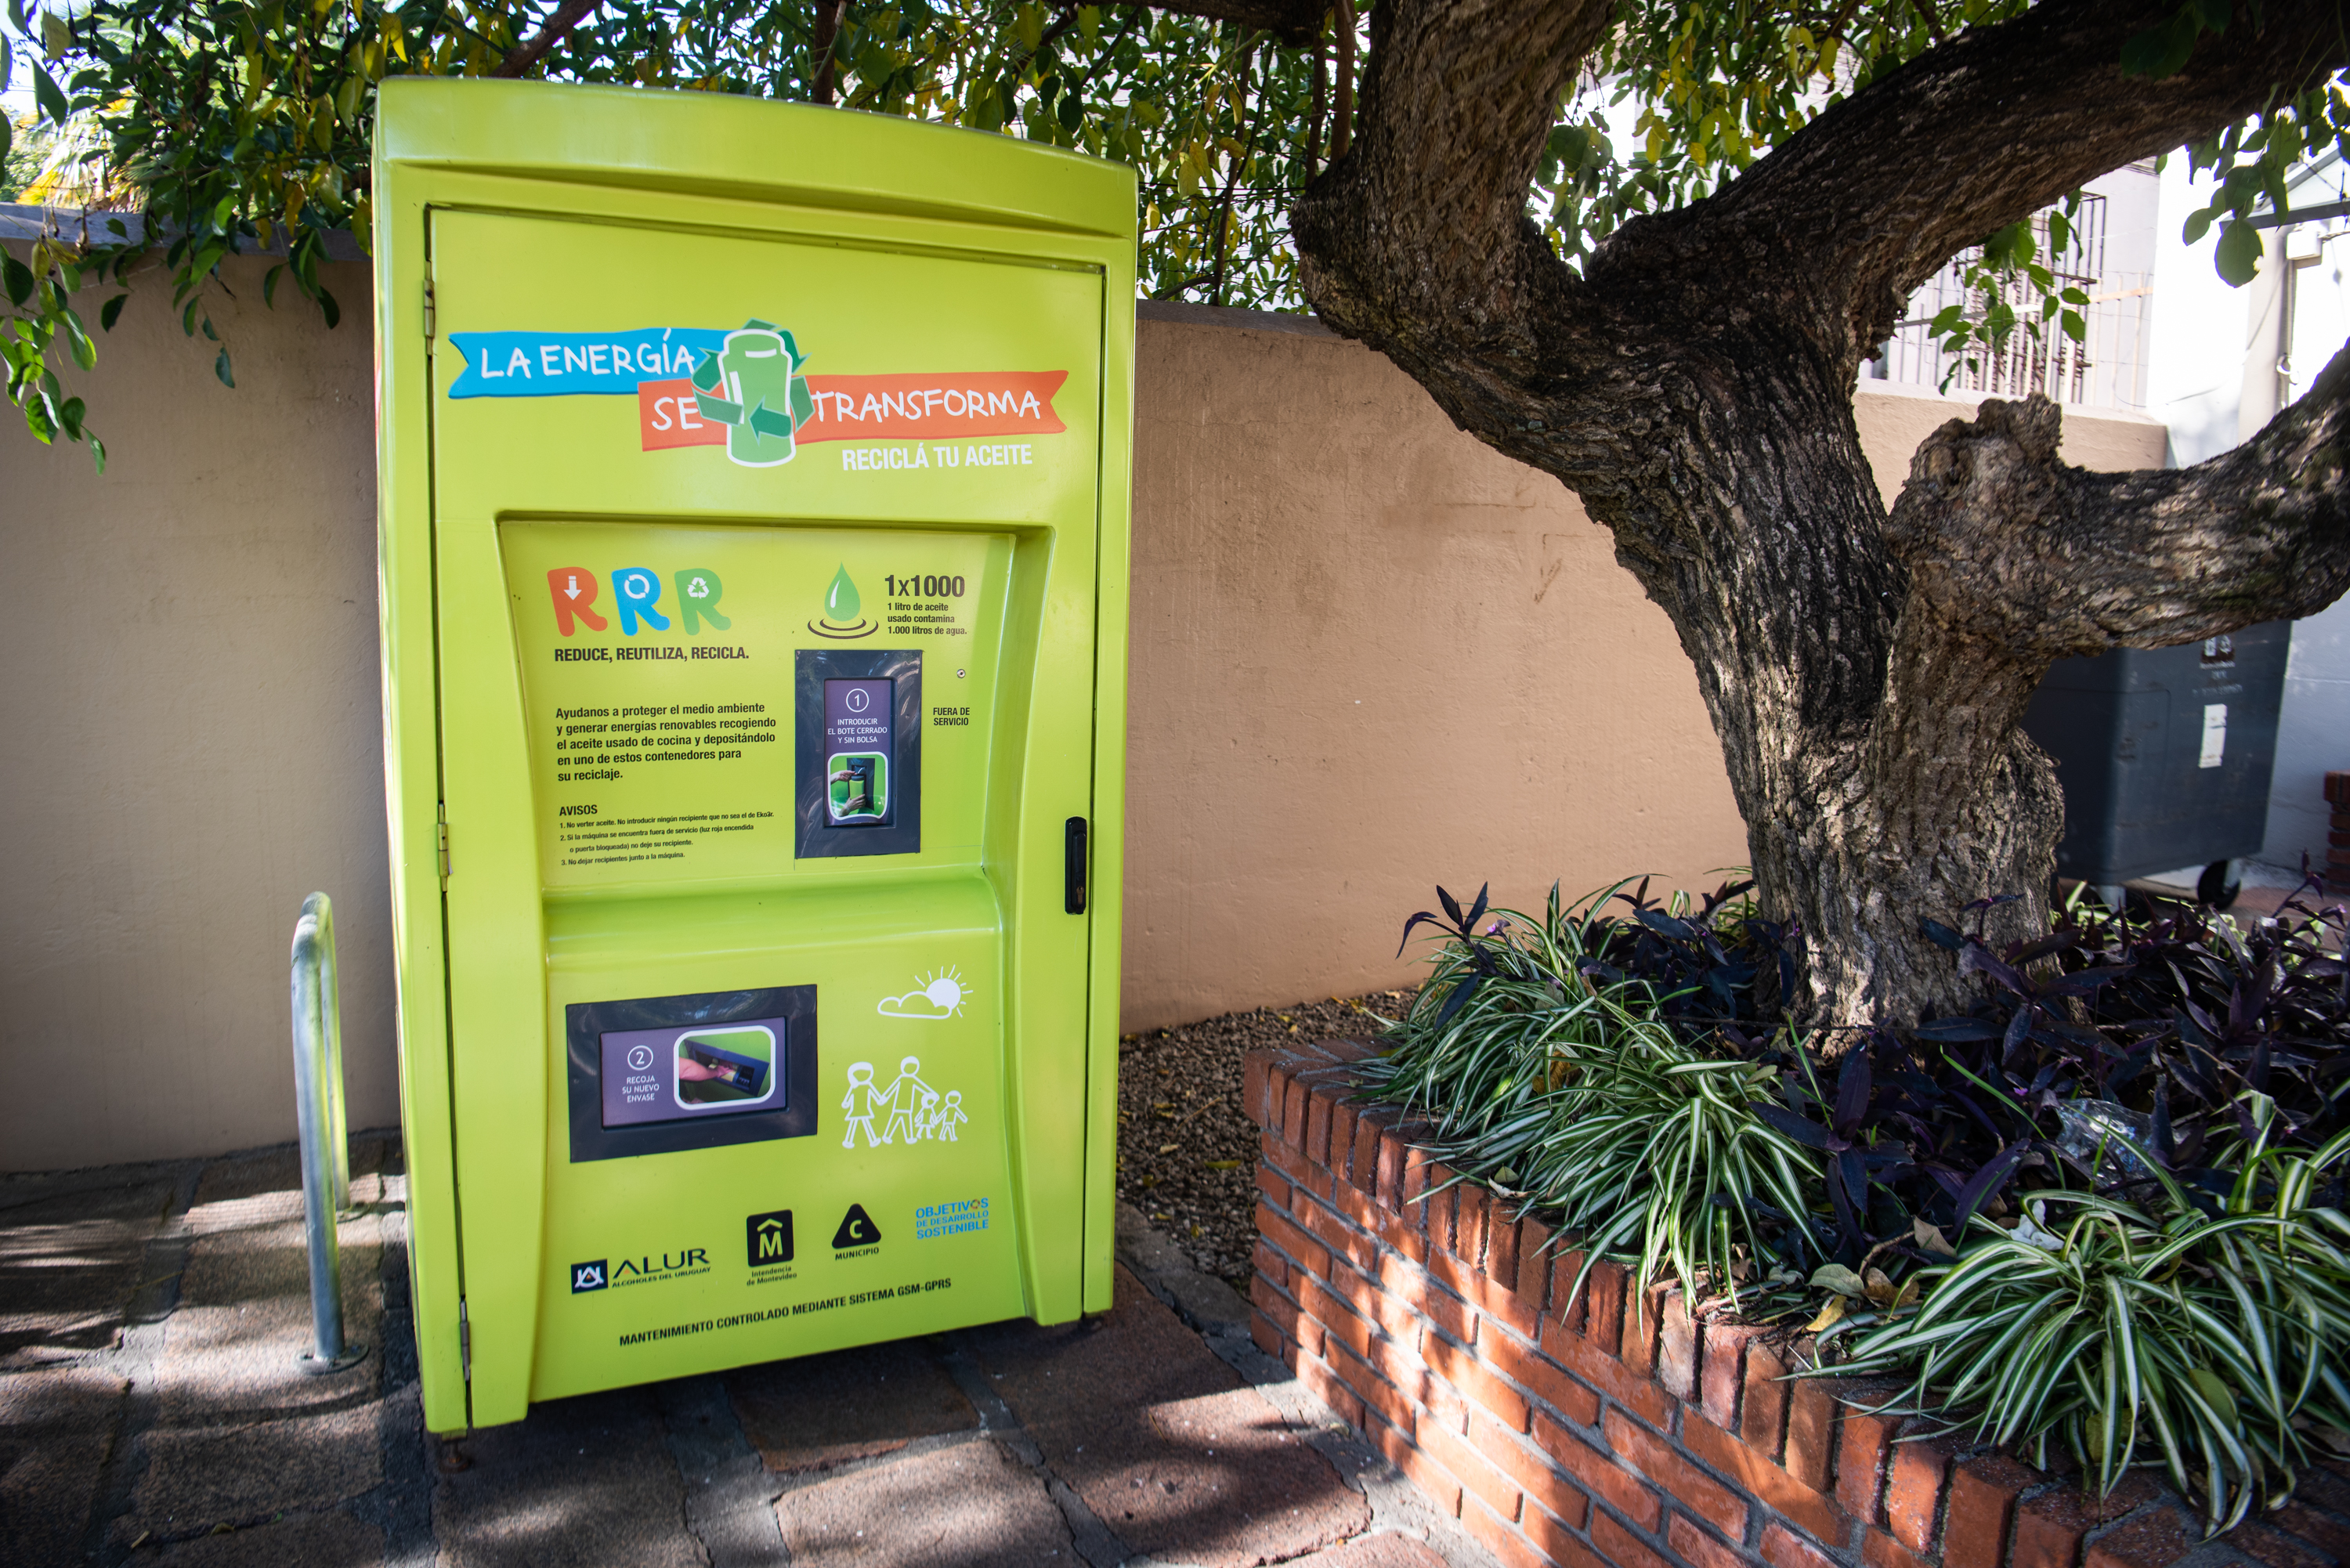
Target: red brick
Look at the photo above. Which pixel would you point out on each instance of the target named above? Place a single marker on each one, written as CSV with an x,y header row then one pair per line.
x,y
1678,1348
2155,1539
1607,1285
1318,1128
1276,1093
1535,1259
1620,1547
1762,1411
1476,1473
1369,1379
1530,1469
1352,1206
1302,1172
1327,1226
1811,1432
1605,1374
1913,1489
1501,1253
1600,1473
1294,1096
1446,1310
1255,1067
1270,1339
2264,1543
1304,1251
1342,1140
1982,1503
2323,1485
1699,1549
1560,1394
1466,1373
1273,1184
1401,1233
1270,1264
1472,1217
1552,1540
1499,1536
2322,1530
1782,1548
1363,1169
1393,1149
1720,1374
1438,1485
1428,1190
1471,1284
2049,1526
1325,1386
1285,1315
1655,1458
1759,1478
1642,1320
1336,1316
1879,1550
1860,1460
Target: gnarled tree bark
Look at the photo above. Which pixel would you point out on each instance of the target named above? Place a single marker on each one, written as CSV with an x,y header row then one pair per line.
x,y
1865,673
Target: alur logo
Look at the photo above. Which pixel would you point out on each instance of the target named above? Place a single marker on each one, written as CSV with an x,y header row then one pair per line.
x,y
650,1269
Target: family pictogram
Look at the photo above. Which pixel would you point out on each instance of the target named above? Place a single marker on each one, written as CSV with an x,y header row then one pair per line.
x,y
906,1105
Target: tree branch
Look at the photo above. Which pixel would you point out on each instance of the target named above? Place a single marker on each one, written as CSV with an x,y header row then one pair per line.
x,y
1295,23
1874,196
529,52
2051,561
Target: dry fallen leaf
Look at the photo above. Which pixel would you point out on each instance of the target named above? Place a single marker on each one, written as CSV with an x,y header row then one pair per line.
x,y
1829,1316
1930,1239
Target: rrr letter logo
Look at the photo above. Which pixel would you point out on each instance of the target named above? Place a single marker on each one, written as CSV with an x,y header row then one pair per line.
x,y
588,1277
637,591
769,1238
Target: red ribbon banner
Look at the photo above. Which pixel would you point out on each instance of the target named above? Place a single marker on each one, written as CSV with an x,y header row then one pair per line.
x,y
917,407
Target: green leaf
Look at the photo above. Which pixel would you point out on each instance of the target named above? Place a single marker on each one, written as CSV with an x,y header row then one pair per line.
x,y
8,126
1841,1280
208,331
2238,258
47,93
269,285
220,369
18,278
97,451
333,312
111,311
2197,224
2161,50
85,352
57,38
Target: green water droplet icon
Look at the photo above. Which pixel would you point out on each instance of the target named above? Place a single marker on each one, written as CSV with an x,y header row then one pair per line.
x,y
841,604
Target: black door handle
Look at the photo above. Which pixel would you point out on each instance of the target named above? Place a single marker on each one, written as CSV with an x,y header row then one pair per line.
x,y
1074,887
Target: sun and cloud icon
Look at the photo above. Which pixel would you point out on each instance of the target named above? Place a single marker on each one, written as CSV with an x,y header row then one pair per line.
x,y
940,996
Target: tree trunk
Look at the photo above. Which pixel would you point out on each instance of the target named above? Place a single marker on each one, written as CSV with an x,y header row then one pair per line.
x,y
1865,672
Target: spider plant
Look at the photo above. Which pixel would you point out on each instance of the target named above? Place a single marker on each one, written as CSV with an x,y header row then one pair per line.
x,y
1565,1092
2153,1330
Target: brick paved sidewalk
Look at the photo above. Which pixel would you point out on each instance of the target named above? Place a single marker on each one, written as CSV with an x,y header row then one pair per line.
x,y
151,1411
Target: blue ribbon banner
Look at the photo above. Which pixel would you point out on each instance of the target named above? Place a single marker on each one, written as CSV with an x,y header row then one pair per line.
x,y
563,364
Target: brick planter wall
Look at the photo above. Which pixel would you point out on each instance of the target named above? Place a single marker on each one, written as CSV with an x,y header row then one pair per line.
x,y
1621,1431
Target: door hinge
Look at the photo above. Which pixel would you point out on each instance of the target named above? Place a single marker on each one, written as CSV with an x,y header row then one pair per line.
x,y
427,311
464,1342
441,842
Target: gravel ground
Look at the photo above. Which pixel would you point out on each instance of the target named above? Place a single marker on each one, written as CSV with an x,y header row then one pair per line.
x,y
1186,1153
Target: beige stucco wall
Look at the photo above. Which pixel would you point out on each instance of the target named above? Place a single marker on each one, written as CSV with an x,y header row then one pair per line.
x,y
194,736
1371,656
1368,655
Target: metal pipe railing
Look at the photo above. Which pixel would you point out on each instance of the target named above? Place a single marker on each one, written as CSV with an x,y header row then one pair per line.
x,y
325,1143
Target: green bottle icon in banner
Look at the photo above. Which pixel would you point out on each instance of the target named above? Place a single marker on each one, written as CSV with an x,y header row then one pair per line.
x,y
752,385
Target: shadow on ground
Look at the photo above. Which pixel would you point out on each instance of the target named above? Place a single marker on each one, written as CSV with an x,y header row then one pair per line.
x,y
152,1411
